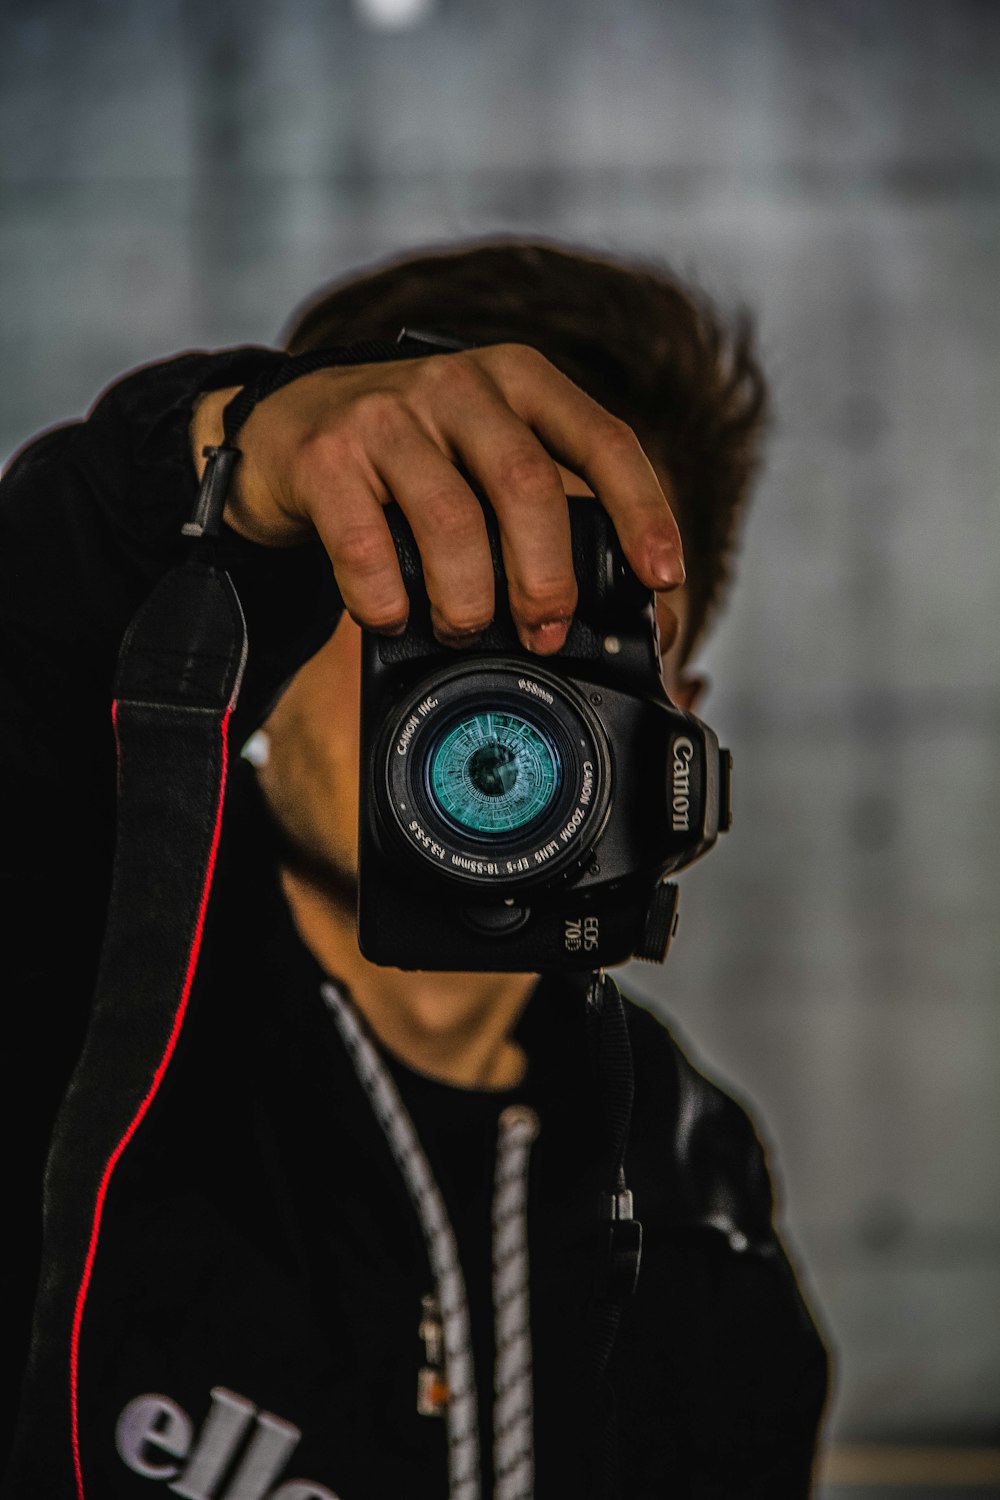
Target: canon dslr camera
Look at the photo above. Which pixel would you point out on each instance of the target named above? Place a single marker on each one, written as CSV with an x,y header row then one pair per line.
x,y
519,812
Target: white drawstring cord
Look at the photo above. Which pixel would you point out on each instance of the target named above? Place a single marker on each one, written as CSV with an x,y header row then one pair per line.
x,y
461,1411
513,1449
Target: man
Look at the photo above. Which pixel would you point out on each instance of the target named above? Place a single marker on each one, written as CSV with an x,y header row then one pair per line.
x,y
287,1264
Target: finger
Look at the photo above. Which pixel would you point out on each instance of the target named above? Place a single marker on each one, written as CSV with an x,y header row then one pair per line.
x,y
449,530
604,451
523,486
350,521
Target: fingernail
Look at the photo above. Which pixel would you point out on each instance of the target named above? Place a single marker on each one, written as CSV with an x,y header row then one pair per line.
x,y
667,567
460,638
548,636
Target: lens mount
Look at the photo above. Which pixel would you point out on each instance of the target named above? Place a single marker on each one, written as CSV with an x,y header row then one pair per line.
x,y
495,774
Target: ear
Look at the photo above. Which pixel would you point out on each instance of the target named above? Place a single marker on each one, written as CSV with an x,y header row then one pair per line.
x,y
689,689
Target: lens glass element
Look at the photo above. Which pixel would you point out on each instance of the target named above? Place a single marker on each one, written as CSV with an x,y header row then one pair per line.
x,y
494,772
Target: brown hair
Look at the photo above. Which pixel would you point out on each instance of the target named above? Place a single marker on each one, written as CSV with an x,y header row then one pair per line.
x,y
651,349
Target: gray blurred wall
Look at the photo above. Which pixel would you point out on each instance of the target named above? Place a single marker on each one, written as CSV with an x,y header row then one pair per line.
x,y
177,175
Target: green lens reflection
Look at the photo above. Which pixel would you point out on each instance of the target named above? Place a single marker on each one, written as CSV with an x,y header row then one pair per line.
x,y
494,772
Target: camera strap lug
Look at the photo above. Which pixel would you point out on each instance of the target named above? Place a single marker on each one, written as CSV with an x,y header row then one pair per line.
x,y
213,491
624,1244
612,1056
611,1053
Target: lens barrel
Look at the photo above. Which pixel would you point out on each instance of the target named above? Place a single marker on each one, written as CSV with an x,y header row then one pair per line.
x,y
495,774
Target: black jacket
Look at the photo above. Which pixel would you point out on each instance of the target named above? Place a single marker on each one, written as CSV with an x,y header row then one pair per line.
x,y
258,1239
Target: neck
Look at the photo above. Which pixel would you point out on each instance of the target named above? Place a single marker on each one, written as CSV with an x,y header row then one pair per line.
x,y
454,1027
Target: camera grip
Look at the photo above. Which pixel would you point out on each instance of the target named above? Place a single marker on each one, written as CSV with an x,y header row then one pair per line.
x,y
612,600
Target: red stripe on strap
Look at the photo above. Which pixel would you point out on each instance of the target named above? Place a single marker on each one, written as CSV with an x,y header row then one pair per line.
x,y
81,1296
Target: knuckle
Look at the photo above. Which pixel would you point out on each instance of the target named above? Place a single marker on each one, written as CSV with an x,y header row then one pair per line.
x,y
449,372
523,357
362,550
616,439
528,472
379,414
450,510
323,452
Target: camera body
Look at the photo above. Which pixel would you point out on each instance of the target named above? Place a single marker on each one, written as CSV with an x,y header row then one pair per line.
x,y
520,813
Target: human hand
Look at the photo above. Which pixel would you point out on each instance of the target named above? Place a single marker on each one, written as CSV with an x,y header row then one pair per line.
x,y
326,452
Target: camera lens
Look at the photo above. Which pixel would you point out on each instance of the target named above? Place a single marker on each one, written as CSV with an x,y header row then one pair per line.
x,y
494,772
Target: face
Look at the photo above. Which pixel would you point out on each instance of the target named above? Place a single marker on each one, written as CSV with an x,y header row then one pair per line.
x,y
310,780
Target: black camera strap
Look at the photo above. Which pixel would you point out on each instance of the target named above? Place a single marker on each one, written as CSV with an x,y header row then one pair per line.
x,y
178,678
611,1057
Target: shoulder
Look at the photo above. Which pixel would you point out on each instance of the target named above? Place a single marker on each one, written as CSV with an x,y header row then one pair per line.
x,y
695,1146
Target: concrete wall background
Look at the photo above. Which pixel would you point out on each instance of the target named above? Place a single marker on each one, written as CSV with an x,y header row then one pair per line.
x,y
177,175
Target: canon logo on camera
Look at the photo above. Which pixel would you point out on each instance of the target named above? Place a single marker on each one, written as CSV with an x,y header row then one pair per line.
x,y
680,804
